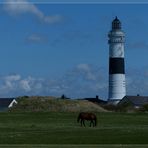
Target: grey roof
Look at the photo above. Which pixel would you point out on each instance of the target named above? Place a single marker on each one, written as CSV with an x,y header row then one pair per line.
x,y
96,100
135,100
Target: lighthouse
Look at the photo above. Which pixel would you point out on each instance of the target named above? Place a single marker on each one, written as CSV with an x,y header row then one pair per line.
x,y
117,85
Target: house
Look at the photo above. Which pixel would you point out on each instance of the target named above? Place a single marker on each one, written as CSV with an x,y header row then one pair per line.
x,y
96,100
6,103
135,101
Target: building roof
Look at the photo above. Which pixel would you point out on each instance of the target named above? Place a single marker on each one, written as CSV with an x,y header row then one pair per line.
x,y
135,100
96,100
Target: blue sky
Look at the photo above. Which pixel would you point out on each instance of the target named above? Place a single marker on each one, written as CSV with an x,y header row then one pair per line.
x,y
61,48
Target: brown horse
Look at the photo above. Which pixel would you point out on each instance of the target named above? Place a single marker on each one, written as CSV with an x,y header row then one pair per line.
x,y
87,116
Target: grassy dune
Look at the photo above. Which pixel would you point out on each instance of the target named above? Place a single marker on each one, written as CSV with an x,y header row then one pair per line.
x,y
38,104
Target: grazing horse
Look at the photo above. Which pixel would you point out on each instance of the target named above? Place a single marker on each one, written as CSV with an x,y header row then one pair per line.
x,y
87,116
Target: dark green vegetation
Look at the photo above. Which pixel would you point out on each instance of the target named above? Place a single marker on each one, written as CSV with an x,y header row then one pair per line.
x,y
39,122
62,128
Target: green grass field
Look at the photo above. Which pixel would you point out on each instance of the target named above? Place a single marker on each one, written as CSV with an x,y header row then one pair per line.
x,y
60,130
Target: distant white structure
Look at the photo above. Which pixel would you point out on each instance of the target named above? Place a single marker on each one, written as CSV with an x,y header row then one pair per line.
x,y
117,86
6,103
13,102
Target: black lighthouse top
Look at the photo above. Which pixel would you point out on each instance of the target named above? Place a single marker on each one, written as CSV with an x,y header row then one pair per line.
x,y
116,24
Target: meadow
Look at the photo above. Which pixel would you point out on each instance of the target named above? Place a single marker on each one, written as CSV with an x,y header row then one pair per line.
x,y
61,130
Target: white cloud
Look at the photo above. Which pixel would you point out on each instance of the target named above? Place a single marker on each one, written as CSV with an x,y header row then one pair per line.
x,y
37,38
84,80
19,7
84,67
15,77
11,80
8,84
30,84
88,71
79,82
24,84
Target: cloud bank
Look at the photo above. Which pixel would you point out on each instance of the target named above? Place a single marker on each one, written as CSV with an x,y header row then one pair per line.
x,y
20,7
37,38
84,80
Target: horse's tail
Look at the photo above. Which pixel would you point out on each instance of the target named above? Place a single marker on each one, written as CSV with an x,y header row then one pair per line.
x,y
78,119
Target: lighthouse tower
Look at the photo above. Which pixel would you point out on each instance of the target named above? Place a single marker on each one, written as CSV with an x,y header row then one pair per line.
x,y
117,88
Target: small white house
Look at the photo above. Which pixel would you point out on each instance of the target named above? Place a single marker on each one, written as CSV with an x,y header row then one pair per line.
x,y
6,103
13,102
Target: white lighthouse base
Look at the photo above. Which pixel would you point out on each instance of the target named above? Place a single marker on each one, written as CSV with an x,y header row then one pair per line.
x,y
117,89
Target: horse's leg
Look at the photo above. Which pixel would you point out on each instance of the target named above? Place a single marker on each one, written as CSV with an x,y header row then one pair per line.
x,y
91,122
95,121
83,123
